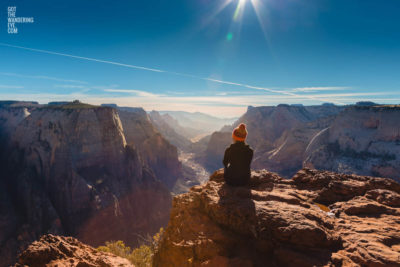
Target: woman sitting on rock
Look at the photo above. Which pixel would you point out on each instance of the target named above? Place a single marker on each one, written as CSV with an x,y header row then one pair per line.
x,y
237,158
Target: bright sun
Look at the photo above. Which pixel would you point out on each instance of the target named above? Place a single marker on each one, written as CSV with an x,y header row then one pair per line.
x,y
259,6
237,18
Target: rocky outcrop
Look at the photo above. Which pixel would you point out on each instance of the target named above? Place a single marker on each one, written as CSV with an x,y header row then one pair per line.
x,y
51,251
317,218
155,150
67,169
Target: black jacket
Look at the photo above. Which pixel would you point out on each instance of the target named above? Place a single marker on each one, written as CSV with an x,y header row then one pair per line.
x,y
237,160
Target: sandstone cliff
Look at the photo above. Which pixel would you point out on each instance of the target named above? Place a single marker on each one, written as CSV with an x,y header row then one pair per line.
x,y
52,251
363,140
357,139
155,150
290,150
318,218
271,129
69,170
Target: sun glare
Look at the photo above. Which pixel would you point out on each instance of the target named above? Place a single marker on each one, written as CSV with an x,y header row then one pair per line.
x,y
260,10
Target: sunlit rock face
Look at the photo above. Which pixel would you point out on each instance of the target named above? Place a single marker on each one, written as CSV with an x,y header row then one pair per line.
x,y
317,218
70,171
160,155
363,140
279,135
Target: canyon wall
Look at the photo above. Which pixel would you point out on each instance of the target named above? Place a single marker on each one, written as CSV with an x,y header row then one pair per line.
x,y
270,129
68,169
363,140
156,151
354,139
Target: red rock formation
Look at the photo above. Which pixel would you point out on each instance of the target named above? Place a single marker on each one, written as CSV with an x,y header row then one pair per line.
x,y
315,219
52,251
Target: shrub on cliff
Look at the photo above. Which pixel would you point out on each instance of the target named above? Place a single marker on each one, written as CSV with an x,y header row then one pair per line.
x,y
141,256
117,248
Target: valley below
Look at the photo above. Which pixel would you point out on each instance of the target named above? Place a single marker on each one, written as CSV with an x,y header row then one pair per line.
x,y
193,173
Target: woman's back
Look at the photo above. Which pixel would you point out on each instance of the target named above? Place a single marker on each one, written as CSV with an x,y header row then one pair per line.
x,y
237,158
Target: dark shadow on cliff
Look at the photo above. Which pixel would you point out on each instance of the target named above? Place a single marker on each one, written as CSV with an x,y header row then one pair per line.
x,y
237,204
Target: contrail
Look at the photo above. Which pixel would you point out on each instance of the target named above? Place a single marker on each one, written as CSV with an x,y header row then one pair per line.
x,y
170,72
84,58
273,91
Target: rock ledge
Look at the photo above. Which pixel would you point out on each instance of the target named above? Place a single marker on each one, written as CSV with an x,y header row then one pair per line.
x,y
317,218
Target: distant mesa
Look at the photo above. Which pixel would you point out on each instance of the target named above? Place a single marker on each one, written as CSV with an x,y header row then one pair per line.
x,y
76,104
284,105
59,103
328,104
109,105
138,110
366,103
14,103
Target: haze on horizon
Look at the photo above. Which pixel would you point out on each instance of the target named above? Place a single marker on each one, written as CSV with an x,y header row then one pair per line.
x,y
210,56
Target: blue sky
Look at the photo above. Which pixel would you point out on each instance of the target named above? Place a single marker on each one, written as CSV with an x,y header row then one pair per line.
x,y
212,56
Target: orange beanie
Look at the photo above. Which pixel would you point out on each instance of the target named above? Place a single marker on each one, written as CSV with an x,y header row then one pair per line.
x,y
240,133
